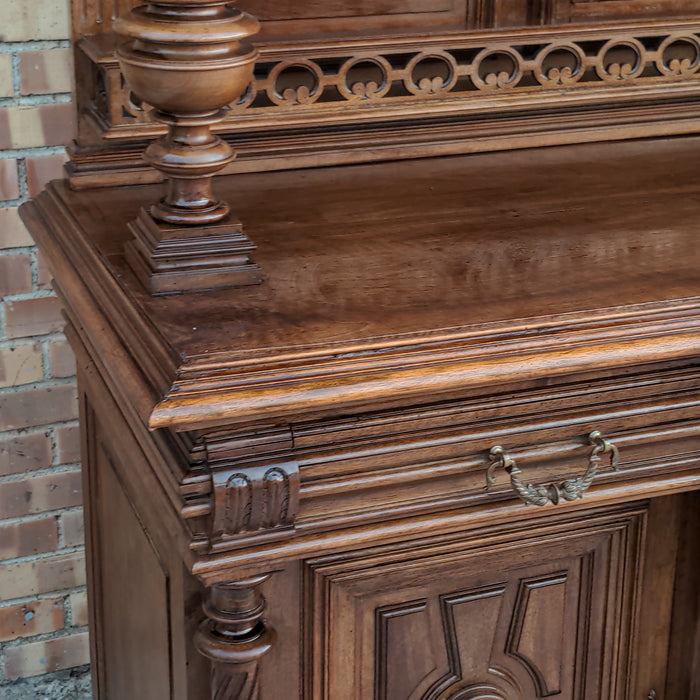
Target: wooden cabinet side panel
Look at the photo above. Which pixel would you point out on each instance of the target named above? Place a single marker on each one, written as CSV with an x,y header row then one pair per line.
x,y
129,588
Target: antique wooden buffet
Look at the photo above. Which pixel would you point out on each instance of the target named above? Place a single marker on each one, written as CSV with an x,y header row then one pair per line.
x,y
413,410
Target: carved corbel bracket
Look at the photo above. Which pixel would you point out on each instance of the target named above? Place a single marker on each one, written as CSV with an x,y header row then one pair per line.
x,y
252,495
255,494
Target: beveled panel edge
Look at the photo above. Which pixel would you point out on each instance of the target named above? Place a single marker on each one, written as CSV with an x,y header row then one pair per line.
x,y
590,534
389,377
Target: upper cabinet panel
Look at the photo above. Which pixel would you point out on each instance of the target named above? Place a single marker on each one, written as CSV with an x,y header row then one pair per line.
x,y
291,16
388,17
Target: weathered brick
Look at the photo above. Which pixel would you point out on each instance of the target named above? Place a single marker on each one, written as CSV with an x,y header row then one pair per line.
x,y
42,576
7,88
43,272
39,19
41,72
36,658
9,180
26,538
79,608
25,453
44,72
39,494
30,619
73,528
62,359
34,407
68,444
31,126
13,233
30,317
15,274
20,364
43,169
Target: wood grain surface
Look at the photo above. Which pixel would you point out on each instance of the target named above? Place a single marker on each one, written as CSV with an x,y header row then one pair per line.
x,y
373,270
286,482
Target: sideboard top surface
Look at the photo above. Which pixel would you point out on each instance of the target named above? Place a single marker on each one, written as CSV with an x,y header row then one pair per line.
x,y
383,261
353,253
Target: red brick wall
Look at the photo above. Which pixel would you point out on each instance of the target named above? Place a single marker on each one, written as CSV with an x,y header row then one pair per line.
x,y
43,614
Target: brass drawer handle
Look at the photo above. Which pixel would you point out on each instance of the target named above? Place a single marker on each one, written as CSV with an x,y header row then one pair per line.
x,y
569,490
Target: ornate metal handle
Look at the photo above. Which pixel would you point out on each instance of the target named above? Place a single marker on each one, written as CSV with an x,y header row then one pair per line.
x,y
569,490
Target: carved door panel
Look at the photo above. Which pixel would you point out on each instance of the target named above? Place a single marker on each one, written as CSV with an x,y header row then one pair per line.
x,y
494,615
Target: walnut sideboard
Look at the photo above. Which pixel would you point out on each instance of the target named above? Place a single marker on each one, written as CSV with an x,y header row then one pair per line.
x,y
437,435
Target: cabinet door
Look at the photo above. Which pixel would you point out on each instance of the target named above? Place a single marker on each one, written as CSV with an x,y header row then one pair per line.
x,y
535,609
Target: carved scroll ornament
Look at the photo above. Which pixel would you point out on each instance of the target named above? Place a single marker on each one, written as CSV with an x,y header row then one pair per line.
x,y
468,69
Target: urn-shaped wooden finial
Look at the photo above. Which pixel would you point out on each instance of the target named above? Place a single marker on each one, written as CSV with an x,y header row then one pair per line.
x,y
189,59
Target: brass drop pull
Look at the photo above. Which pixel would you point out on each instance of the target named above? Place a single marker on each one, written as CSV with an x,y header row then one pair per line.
x,y
569,490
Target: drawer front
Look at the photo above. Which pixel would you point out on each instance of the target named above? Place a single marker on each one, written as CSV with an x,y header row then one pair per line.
x,y
437,459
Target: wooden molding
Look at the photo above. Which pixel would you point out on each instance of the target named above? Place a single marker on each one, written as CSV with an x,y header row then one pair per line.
x,y
441,623
329,100
252,495
369,473
169,259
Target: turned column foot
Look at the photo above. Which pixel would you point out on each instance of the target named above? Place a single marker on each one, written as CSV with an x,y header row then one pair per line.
x,y
234,637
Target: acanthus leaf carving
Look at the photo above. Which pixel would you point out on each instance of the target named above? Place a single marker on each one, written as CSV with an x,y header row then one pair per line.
x,y
252,494
238,503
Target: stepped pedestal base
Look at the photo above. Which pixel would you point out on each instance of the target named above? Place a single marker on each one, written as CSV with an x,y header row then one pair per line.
x,y
175,259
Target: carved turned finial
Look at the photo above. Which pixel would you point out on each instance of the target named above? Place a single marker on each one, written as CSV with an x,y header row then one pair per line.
x,y
235,638
189,59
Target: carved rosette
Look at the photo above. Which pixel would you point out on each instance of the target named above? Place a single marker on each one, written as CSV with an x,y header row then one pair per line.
x,y
234,637
189,59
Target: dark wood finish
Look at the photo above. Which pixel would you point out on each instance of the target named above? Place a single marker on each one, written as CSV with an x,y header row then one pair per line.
x,y
188,61
289,17
295,482
343,440
170,259
140,604
462,619
683,679
234,638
